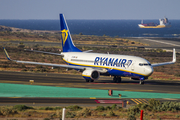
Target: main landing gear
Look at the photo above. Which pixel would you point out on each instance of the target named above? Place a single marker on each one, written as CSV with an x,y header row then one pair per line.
x,y
89,80
117,79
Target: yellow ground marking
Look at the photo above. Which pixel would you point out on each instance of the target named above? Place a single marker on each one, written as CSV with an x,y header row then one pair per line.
x,y
138,101
144,100
92,97
134,101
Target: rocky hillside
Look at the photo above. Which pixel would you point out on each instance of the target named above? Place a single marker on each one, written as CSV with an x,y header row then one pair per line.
x,y
12,29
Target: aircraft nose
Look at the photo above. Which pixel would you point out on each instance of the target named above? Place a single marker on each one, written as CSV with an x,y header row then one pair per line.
x,y
149,70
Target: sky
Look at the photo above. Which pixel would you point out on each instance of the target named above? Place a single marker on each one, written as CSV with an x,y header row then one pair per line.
x,y
89,9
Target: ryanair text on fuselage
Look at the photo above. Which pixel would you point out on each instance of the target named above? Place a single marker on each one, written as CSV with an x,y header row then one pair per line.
x,y
105,61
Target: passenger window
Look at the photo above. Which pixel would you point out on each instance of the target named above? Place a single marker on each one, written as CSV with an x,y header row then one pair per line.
x,y
144,64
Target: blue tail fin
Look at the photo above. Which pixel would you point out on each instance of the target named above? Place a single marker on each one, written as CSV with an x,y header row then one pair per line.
x,y
67,43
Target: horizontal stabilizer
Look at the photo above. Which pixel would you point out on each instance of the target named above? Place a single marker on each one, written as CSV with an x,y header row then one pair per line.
x,y
87,51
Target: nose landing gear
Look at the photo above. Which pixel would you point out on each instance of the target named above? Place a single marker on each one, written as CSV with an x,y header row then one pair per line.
x,y
141,82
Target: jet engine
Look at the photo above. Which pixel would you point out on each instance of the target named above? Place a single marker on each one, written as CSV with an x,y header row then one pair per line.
x,y
91,74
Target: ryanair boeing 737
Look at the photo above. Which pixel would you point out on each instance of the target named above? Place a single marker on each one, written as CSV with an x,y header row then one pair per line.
x,y
92,65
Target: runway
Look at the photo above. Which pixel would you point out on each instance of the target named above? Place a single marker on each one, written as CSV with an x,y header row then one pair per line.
x,y
58,81
157,42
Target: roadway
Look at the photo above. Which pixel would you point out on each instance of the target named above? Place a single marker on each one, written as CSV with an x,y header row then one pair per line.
x,y
76,81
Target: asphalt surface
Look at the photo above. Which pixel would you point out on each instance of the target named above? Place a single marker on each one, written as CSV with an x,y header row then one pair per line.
x,y
66,80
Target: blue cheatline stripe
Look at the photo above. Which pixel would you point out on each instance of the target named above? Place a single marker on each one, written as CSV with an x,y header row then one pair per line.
x,y
19,90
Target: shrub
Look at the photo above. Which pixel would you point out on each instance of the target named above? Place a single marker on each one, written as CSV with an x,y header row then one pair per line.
x,y
114,106
133,110
22,107
70,115
100,108
57,108
74,107
46,118
131,117
111,113
143,106
87,112
7,111
108,108
46,108
153,104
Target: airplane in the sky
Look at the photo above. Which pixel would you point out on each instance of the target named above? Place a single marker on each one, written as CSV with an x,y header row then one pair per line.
x,y
92,65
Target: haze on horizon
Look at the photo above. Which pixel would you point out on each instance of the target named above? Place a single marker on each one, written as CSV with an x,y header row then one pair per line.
x,y
90,9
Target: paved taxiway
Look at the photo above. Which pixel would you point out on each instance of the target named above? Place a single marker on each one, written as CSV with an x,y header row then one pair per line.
x,y
66,80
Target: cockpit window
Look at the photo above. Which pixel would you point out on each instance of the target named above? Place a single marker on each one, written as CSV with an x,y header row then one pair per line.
x,y
140,64
144,64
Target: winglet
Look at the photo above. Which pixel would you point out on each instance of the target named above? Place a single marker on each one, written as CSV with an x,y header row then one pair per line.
x,y
6,53
174,55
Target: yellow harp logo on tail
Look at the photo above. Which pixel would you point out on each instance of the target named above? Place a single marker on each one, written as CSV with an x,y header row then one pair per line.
x,y
64,35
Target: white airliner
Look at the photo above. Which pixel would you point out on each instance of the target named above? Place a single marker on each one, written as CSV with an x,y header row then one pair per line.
x,y
92,65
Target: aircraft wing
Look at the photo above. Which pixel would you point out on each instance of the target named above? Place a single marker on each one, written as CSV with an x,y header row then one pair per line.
x,y
43,52
166,63
50,64
101,70
46,64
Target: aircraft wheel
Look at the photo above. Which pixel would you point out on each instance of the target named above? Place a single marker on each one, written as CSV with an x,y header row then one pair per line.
x,y
118,79
114,79
87,80
91,80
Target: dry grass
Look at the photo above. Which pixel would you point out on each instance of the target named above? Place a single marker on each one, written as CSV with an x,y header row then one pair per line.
x,y
85,112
